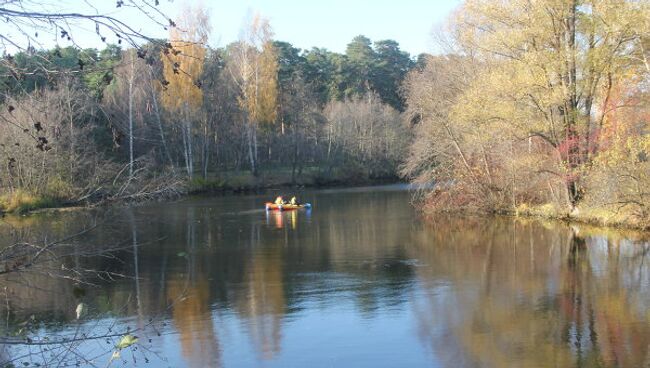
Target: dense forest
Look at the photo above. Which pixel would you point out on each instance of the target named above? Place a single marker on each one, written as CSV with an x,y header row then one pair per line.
x,y
88,125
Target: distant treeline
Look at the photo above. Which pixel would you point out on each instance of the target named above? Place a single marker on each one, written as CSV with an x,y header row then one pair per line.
x,y
88,124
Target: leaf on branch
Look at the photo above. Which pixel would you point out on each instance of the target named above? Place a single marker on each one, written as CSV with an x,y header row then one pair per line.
x,y
126,341
64,33
172,23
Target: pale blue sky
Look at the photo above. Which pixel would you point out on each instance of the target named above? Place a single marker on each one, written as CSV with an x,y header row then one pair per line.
x,y
332,24
328,24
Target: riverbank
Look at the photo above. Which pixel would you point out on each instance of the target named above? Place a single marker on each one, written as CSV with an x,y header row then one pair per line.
x,y
245,182
22,203
588,216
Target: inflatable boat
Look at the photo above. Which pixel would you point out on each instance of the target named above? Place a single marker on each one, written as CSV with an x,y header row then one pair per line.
x,y
285,207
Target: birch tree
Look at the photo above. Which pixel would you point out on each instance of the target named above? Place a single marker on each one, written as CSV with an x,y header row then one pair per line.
x,y
254,68
183,63
127,97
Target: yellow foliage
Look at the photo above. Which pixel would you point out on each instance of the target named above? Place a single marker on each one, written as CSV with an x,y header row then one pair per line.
x,y
183,62
263,105
21,201
255,67
12,201
521,123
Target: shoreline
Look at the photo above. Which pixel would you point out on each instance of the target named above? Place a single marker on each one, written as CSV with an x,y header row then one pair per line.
x,y
540,213
207,190
585,216
587,226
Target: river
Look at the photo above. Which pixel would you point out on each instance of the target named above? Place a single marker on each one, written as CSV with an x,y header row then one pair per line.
x,y
359,281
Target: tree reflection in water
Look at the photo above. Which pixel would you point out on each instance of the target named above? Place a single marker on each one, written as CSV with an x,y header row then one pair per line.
x,y
189,295
359,278
538,297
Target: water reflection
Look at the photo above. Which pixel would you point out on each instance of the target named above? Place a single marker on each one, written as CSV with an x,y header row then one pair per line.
x,y
534,297
359,281
281,219
261,301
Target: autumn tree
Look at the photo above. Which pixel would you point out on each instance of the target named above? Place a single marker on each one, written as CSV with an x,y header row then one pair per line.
x,y
182,70
253,66
550,64
528,121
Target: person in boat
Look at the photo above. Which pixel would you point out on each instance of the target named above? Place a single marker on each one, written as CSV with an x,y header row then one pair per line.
x,y
294,201
279,200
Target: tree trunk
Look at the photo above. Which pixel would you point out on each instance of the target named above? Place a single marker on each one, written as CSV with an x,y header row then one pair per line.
x,y
205,152
190,163
571,108
294,161
131,77
249,139
160,129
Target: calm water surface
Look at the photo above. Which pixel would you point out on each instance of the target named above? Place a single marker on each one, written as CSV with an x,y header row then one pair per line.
x,y
359,281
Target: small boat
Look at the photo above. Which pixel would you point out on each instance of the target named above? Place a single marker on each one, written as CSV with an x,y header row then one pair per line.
x,y
285,207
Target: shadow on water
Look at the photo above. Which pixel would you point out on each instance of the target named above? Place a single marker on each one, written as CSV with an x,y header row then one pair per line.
x,y
358,281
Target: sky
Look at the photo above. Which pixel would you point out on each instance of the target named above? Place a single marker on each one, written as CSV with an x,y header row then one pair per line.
x,y
332,24
327,24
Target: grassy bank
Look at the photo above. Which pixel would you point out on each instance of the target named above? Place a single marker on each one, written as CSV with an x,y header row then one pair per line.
x,y
21,202
591,216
